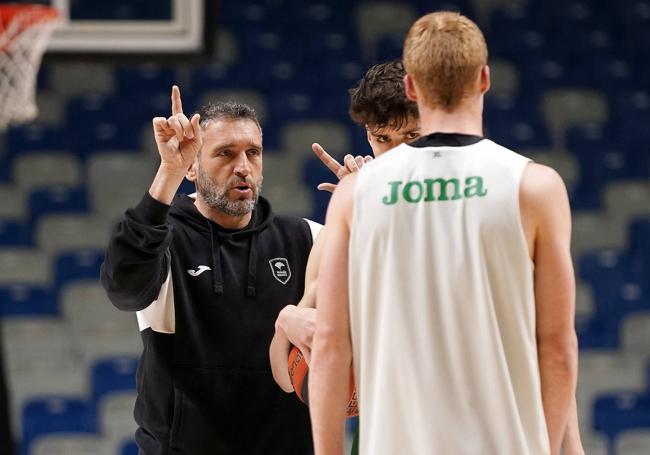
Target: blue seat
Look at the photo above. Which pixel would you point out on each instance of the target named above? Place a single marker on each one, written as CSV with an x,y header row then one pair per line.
x,y
35,137
15,233
56,415
77,265
216,76
640,237
594,332
141,79
129,448
616,412
24,300
57,199
112,375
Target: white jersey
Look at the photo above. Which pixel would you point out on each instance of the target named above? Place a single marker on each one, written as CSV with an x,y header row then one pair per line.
x,y
442,307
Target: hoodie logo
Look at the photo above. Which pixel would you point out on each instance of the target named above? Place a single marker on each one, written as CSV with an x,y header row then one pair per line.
x,y
280,269
199,270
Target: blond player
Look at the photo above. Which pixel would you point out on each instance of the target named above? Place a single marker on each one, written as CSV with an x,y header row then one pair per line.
x,y
447,278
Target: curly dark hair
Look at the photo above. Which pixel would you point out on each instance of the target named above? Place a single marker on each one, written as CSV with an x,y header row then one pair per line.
x,y
379,100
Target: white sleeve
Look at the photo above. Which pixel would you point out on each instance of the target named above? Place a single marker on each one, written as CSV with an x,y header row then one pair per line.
x,y
314,227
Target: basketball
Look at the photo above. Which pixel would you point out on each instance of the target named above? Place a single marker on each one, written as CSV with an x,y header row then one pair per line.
x,y
299,375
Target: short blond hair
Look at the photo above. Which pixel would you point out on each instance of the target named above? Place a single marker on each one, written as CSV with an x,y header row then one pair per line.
x,y
444,53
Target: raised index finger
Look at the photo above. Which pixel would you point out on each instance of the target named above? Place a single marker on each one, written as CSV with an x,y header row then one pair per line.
x,y
177,105
326,158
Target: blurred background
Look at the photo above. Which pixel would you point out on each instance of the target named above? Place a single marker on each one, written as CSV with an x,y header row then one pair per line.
x,y
570,88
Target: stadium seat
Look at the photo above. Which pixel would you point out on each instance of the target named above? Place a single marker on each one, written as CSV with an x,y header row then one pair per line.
x,y
374,19
77,265
57,199
284,185
135,80
14,202
56,415
71,443
129,448
24,266
23,300
115,415
563,163
15,233
34,170
585,306
635,330
35,137
617,412
633,442
71,79
297,137
628,199
59,233
564,108
596,230
639,236
504,77
51,108
113,374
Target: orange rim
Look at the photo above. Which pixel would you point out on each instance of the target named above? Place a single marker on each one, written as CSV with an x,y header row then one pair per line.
x,y
33,12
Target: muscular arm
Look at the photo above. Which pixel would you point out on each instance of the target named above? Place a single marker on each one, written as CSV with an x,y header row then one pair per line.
x,y
332,350
547,221
295,323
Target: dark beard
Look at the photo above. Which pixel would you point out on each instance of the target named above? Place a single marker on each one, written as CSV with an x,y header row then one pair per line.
x,y
216,197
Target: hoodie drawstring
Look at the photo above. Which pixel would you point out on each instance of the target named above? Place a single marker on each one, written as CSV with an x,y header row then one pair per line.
x,y
252,267
217,275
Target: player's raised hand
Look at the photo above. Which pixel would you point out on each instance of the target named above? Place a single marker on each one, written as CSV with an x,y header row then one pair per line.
x,y
350,164
178,138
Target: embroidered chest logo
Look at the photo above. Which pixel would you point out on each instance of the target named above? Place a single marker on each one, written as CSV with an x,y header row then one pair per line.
x,y
200,269
281,270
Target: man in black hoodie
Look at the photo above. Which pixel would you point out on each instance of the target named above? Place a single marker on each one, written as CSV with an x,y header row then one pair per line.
x,y
207,276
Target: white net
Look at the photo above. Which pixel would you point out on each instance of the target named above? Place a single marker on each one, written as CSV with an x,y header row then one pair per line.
x,y
24,34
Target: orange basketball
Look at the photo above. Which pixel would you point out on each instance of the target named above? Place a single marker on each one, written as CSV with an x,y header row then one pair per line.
x,y
299,375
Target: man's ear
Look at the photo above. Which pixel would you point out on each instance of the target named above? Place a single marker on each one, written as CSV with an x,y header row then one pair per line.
x,y
485,79
368,135
409,88
192,171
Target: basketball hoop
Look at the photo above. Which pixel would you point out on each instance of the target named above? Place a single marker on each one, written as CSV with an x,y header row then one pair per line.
x,y
25,30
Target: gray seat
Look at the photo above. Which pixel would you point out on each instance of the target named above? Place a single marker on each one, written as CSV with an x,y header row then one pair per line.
x,y
226,49
563,108
297,137
635,330
627,199
51,108
38,170
563,163
89,312
24,265
284,187
116,416
504,79
375,19
633,442
37,338
593,230
584,299
56,233
69,79
14,202
72,443
593,443
602,372
118,181
251,97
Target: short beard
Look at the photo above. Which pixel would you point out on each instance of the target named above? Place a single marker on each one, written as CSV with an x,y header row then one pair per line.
x,y
216,195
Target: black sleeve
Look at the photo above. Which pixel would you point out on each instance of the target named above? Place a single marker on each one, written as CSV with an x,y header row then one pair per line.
x,y
137,257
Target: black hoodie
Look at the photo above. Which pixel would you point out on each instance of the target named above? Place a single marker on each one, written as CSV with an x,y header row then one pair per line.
x,y
204,380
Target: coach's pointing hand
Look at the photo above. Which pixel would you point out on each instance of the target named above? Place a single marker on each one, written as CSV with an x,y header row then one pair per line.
x,y
350,164
178,139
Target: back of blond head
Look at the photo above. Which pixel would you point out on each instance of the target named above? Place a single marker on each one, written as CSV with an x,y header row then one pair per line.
x,y
444,53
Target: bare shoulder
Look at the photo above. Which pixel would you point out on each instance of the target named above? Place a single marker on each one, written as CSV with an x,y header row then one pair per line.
x,y
340,206
542,195
540,180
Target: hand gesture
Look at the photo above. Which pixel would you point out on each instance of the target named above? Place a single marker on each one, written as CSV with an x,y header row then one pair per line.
x,y
178,139
350,164
299,325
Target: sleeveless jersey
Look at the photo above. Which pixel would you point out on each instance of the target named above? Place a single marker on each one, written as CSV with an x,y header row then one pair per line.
x,y
442,307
